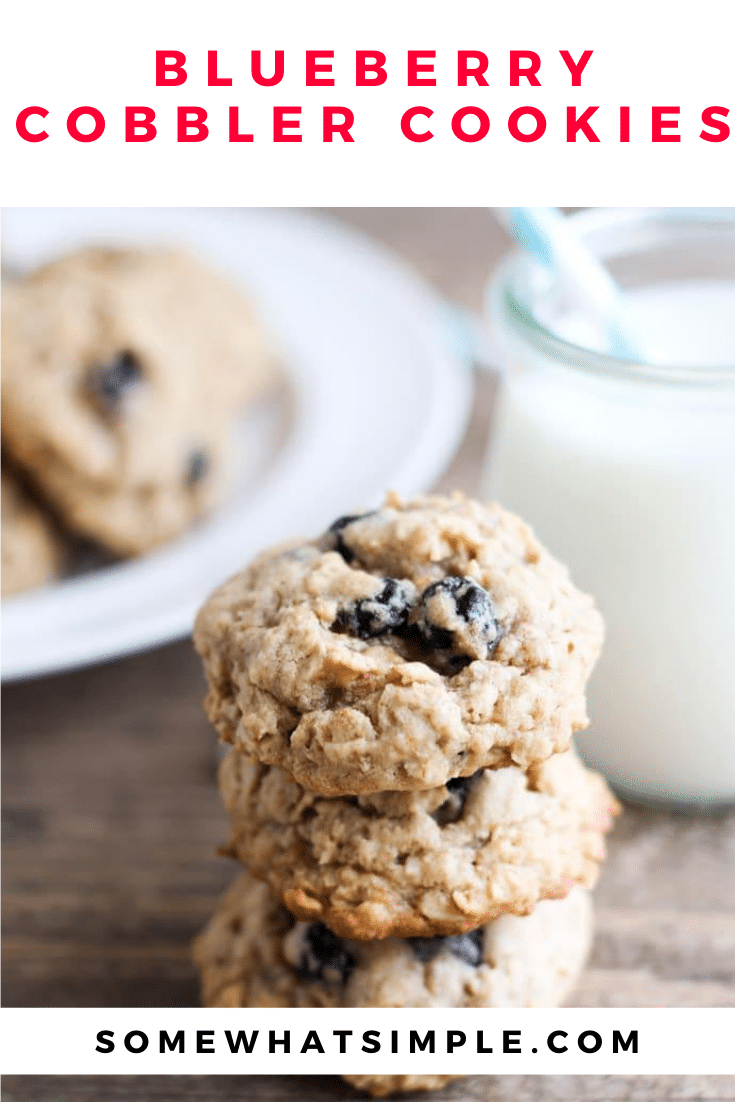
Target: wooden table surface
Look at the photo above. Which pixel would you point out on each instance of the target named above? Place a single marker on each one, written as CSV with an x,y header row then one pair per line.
x,y
110,822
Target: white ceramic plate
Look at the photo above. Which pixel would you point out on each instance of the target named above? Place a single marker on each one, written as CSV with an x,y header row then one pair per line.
x,y
377,402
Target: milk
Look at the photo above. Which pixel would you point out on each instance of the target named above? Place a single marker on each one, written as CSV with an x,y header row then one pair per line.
x,y
632,484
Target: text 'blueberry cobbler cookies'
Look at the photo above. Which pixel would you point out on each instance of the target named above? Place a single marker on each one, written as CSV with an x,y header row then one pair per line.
x,y
405,864
123,370
402,649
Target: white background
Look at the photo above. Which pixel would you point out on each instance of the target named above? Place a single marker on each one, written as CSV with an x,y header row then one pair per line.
x,y
670,1041
63,55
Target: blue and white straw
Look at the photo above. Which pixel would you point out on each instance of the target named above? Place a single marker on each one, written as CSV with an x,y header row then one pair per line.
x,y
546,234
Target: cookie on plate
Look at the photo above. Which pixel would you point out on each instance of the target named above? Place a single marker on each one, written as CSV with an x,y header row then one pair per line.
x,y
404,648
123,369
255,953
31,550
405,864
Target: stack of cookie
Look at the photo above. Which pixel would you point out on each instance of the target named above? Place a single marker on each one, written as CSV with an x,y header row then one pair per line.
x,y
400,697
124,374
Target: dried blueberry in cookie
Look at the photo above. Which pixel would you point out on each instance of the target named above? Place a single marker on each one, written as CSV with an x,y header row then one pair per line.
x,y
453,807
318,954
197,466
110,381
426,948
335,538
386,612
468,947
456,620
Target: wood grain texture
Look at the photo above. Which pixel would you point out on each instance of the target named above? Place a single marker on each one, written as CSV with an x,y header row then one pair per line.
x,y
480,1088
111,821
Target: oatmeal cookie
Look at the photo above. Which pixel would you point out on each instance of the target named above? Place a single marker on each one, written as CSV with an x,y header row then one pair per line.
x,y
404,648
31,549
404,864
122,372
255,953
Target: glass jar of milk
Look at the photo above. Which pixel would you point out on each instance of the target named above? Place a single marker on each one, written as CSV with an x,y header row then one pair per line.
x,y
627,473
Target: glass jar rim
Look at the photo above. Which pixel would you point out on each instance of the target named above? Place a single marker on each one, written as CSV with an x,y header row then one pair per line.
x,y
503,296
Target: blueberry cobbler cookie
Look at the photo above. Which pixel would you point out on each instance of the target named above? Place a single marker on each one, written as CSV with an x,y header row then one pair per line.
x,y
402,649
255,953
442,861
31,549
123,369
